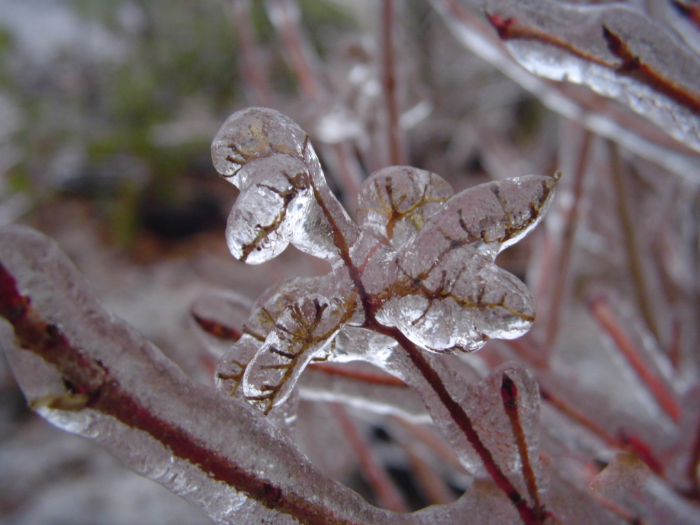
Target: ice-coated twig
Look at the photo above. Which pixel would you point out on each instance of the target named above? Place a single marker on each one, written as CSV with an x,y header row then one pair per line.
x,y
252,70
558,284
618,175
664,396
390,84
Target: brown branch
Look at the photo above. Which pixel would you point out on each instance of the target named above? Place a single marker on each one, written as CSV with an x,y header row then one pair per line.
x,y
90,384
358,375
528,515
694,463
216,329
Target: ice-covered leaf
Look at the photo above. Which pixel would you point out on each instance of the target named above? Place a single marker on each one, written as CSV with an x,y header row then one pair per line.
x,y
218,318
615,50
449,295
284,197
396,202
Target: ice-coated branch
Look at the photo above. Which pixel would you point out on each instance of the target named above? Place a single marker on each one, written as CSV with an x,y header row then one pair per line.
x,y
90,373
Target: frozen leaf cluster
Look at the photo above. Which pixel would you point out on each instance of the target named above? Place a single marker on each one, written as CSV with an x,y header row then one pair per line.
x,y
420,264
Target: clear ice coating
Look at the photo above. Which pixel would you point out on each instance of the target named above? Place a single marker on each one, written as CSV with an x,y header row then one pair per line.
x,y
420,262
615,50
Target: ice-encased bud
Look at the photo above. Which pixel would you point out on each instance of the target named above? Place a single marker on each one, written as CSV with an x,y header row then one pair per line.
x,y
254,133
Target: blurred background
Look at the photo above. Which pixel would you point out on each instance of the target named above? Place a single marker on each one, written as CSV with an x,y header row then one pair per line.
x,y
107,111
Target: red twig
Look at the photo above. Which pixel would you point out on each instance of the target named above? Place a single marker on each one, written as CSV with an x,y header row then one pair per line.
x,y
216,329
387,494
431,441
282,18
433,487
359,375
509,395
251,62
665,398
528,515
694,463
625,443
628,237
567,240
389,84
90,384
617,509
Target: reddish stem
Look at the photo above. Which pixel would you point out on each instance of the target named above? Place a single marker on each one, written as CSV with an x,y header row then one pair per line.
x,y
509,395
382,485
100,390
567,241
390,85
694,463
358,375
252,71
628,237
528,515
216,329
294,46
665,398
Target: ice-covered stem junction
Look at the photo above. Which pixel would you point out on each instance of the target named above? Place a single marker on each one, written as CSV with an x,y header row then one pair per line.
x,y
416,277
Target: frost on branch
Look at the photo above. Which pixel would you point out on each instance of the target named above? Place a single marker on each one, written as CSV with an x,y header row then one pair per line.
x,y
615,50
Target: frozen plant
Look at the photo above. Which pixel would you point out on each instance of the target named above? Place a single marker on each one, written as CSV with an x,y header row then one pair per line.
x,y
415,279
418,272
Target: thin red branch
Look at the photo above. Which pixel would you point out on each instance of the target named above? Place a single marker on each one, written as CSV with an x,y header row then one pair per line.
x,y
387,494
294,46
664,396
567,240
694,463
389,83
617,509
431,441
358,375
509,395
625,442
528,515
252,71
433,487
216,329
630,241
